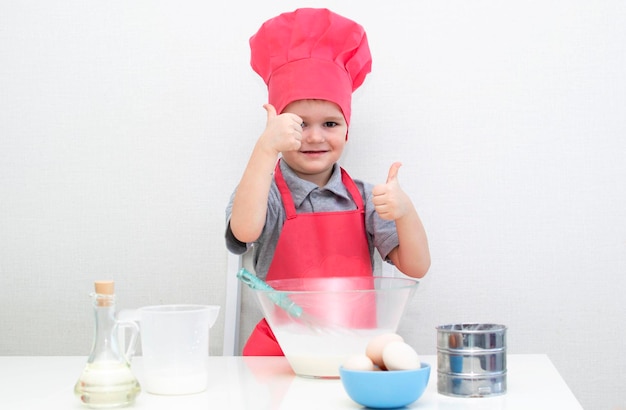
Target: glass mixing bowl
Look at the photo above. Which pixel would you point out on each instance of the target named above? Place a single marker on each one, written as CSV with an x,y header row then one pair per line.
x,y
319,322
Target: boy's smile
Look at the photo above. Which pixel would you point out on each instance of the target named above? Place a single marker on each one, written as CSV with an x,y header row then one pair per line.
x,y
324,131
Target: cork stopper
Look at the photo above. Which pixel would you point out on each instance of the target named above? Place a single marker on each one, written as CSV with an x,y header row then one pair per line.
x,y
105,292
105,287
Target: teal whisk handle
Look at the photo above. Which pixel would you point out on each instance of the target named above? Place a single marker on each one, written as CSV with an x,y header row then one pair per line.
x,y
280,299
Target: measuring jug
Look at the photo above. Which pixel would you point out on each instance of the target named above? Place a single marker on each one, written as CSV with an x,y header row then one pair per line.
x,y
175,346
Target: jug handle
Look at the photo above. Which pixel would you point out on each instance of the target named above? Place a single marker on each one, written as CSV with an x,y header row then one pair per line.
x,y
127,320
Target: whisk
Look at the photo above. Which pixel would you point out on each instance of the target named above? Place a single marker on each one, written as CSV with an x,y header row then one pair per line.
x,y
281,299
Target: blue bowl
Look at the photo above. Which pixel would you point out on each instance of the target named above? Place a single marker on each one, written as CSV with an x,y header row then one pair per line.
x,y
385,389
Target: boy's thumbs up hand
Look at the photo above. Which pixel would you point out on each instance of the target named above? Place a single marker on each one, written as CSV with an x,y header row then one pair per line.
x,y
271,111
390,201
393,172
283,132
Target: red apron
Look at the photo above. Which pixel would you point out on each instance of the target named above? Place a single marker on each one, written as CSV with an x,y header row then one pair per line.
x,y
317,244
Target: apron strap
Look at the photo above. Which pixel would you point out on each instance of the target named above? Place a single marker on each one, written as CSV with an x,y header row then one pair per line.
x,y
352,189
285,193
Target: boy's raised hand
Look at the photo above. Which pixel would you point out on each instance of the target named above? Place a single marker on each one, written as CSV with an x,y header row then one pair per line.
x,y
390,201
282,132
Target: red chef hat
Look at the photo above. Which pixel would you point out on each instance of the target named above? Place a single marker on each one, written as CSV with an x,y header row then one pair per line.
x,y
311,54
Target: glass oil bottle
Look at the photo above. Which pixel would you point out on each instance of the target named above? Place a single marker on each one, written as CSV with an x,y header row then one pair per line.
x,y
107,380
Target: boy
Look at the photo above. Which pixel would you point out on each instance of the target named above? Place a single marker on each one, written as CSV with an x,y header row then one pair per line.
x,y
305,215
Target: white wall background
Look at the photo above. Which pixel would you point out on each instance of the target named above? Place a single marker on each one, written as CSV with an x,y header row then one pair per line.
x,y
125,125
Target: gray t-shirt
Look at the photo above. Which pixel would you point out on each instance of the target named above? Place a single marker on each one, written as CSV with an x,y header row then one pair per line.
x,y
308,197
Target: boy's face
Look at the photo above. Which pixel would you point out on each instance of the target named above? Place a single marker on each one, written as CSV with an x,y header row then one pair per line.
x,y
324,131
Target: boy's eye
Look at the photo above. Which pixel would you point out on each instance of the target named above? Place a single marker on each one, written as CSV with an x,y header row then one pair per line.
x,y
327,124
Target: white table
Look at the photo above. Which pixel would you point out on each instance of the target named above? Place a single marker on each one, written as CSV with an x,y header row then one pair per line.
x,y
268,383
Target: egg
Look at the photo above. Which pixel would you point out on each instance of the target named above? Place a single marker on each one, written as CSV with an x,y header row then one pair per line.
x,y
400,356
360,362
376,345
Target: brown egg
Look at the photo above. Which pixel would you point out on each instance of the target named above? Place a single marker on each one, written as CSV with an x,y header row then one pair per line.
x,y
375,347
